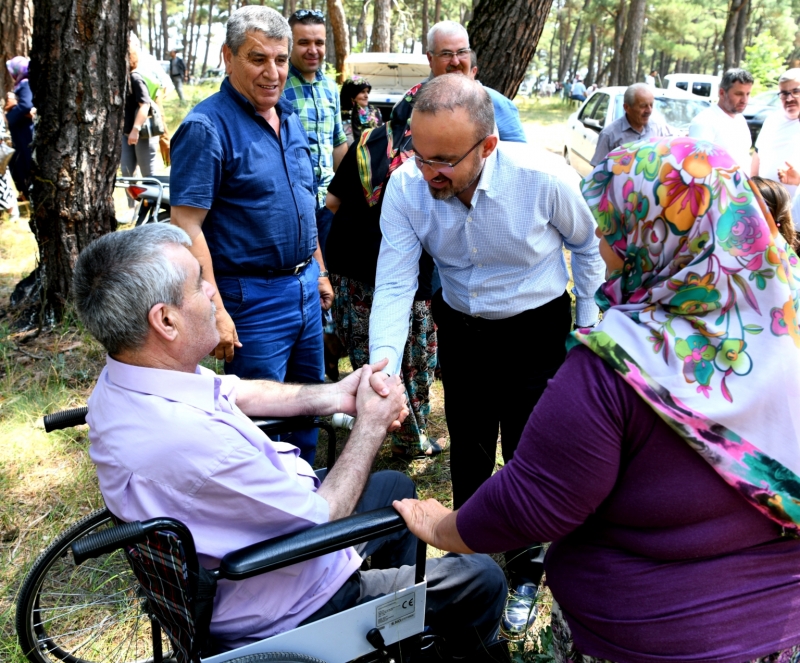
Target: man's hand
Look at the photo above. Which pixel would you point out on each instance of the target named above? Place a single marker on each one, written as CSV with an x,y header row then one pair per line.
x,y
325,293
348,388
133,136
379,411
789,175
228,339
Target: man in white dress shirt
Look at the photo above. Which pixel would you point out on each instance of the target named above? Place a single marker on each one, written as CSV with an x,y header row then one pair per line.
x,y
723,123
495,219
779,139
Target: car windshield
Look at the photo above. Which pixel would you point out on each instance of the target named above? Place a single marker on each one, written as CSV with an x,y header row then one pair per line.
x,y
679,113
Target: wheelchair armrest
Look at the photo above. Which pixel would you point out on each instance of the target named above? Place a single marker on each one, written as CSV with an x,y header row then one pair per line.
x,y
319,540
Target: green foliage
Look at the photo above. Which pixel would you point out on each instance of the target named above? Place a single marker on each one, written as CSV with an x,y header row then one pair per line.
x,y
765,60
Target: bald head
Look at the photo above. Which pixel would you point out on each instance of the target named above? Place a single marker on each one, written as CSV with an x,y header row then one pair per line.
x,y
638,104
450,92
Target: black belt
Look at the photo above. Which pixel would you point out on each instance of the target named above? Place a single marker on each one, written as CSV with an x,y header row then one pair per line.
x,y
269,272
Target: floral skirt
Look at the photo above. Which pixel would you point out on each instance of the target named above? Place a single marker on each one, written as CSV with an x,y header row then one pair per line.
x,y
564,648
352,305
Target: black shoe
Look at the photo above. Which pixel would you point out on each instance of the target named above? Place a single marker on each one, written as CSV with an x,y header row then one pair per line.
x,y
520,611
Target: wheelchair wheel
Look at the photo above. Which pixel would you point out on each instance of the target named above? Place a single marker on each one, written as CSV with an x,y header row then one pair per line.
x,y
83,614
276,657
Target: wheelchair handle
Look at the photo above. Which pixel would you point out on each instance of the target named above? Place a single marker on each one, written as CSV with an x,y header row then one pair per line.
x,y
127,534
65,419
319,540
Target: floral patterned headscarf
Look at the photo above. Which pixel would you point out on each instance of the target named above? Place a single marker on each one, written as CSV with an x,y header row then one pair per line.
x,y
702,318
18,69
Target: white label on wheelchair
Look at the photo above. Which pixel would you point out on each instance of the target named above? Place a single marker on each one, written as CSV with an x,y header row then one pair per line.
x,y
343,637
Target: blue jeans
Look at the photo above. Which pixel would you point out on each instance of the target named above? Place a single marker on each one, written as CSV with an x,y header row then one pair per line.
x,y
279,323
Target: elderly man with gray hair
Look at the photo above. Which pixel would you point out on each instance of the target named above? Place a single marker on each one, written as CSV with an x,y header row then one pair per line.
x,y
636,124
170,438
243,188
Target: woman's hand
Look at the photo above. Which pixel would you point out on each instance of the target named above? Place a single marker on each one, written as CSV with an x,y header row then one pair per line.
x,y
432,522
133,136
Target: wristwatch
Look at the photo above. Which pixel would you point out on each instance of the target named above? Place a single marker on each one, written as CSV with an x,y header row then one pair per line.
x,y
323,275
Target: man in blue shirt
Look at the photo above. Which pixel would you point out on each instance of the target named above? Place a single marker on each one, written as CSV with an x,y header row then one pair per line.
x,y
243,188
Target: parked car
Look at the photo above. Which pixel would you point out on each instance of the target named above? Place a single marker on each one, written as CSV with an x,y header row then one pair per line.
x,y
700,85
673,107
757,110
391,75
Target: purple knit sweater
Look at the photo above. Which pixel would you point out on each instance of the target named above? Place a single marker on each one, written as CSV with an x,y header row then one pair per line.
x,y
654,557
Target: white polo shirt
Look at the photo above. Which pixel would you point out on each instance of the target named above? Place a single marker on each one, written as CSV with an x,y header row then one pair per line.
x,y
777,143
731,133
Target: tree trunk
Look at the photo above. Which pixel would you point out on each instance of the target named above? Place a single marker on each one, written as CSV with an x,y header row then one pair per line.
x,y
589,80
729,36
78,74
16,30
196,36
741,32
425,25
505,34
341,44
208,36
437,11
619,30
381,27
550,58
629,51
361,27
164,30
576,36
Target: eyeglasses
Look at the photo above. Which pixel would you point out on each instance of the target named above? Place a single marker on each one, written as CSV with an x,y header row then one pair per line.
x,y
460,54
785,94
300,14
443,167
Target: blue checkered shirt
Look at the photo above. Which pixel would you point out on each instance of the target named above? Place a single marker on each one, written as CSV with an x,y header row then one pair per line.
x,y
317,105
497,258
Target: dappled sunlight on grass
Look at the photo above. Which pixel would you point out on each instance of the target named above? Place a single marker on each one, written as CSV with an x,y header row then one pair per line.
x,y
18,250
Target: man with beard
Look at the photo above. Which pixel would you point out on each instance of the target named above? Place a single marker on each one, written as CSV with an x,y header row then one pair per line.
x,y
723,124
495,218
634,125
779,139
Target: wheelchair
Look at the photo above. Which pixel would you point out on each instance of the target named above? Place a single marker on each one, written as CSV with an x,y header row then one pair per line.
x,y
135,592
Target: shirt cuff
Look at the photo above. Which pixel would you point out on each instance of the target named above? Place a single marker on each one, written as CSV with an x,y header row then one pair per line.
x,y
586,312
385,352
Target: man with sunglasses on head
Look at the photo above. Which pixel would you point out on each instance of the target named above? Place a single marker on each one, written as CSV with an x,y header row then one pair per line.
x,y
778,141
495,217
315,98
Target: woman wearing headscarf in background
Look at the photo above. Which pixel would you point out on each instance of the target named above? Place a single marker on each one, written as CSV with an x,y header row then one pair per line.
x,y
18,109
357,113
662,460
355,196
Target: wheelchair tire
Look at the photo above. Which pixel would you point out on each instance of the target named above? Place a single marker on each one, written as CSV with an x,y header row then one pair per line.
x,y
83,614
275,657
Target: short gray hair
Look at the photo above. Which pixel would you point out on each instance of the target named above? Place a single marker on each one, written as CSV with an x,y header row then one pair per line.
x,y
445,28
790,75
255,17
735,76
119,277
629,98
452,91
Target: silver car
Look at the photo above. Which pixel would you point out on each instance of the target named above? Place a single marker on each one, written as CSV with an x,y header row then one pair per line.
x,y
673,107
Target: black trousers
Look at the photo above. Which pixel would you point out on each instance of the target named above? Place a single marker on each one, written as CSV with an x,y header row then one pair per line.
x,y
465,593
494,372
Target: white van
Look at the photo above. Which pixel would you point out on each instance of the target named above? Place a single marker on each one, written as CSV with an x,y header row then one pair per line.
x,y
704,86
391,75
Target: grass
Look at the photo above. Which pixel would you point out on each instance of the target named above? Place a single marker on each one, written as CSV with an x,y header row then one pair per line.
x,y
544,110
47,482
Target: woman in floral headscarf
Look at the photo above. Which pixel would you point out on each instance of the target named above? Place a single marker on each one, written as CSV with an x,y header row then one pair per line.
x,y
357,113
663,459
18,109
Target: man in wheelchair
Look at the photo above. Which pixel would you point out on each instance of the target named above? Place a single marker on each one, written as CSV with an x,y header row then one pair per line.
x,y
170,438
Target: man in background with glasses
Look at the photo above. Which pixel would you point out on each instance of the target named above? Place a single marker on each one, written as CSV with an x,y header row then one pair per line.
x,y
495,217
778,141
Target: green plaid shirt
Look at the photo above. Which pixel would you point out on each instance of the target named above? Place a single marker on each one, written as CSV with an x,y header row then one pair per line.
x,y
317,105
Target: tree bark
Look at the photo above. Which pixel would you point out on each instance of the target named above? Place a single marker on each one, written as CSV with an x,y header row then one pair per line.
x,y
629,51
164,30
589,80
78,75
341,43
619,30
741,32
425,25
16,30
729,36
361,26
381,27
208,36
437,11
505,34
195,46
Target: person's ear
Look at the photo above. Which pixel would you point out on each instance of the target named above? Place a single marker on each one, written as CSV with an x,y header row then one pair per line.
x,y
489,145
227,56
163,319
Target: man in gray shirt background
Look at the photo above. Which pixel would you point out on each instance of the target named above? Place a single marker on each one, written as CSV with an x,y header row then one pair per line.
x,y
635,125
